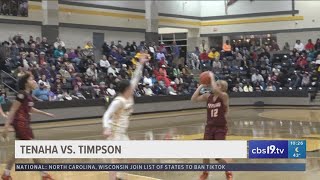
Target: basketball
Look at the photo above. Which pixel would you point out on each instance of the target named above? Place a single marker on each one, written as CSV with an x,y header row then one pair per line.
x,y
205,78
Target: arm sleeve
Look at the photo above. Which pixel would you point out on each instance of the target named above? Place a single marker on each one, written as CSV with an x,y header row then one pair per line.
x,y
136,75
107,117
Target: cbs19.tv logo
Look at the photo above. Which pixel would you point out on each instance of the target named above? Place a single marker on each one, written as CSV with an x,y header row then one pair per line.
x,y
277,149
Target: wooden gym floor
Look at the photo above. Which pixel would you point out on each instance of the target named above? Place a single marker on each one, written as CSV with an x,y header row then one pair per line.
x,y
245,123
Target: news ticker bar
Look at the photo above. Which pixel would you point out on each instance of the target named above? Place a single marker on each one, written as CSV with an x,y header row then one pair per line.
x,y
161,167
293,149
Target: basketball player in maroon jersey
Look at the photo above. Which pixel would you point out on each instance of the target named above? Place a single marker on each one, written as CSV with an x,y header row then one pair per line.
x,y
19,118
217,109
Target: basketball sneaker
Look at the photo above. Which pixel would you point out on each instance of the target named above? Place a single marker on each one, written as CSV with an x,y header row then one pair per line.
x,y
47,177
229,175
204,176
5,177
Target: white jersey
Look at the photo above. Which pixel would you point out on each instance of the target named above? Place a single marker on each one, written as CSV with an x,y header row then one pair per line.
x,y
117,116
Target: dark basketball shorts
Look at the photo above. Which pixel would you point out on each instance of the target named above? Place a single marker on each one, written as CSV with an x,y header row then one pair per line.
x,y
23,133
215,133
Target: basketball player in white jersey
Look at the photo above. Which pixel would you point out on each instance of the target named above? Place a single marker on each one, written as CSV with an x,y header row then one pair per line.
x,y
116,118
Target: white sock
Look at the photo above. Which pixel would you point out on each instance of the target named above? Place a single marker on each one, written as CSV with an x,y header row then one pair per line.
x,y
7,172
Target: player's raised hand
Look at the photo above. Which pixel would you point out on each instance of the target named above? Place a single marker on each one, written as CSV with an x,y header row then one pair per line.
x,y
211,74
143,58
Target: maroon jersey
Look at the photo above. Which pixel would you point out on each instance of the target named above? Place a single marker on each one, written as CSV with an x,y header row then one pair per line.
x,y
21,121
216,112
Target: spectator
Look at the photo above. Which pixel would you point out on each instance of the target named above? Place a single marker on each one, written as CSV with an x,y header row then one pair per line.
x,y
44,81
89,45
176,71
58,52
41,93
92,72
113,70
270,87
317,45
18,39
42,58
305,80
299,46
274,46
175,52
195,62
197,51
247,88
178,80
237,88
20,72
214,54
162,48
128,49
44,45
148,91
119,45
74,57
171,89
216,65
69,67
123,72
43,70
64,73
302,61
53,73
31,41
227,48
106,49
258,87
33,49
160,56
104,64
76,93
147,80
309,45
203,46
25,63
286,47
33,59
21,48
257,78
204,58
133,47
59,43
163,75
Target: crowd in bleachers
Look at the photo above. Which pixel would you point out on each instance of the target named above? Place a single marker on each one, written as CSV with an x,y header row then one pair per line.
x,y
249,68
65,73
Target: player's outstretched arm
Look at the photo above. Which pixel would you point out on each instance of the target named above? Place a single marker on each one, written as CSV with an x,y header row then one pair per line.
x,y
37,111
196,97
215,88
137,75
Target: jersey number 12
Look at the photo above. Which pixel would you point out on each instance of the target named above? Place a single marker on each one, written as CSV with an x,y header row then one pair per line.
x,y
214,113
